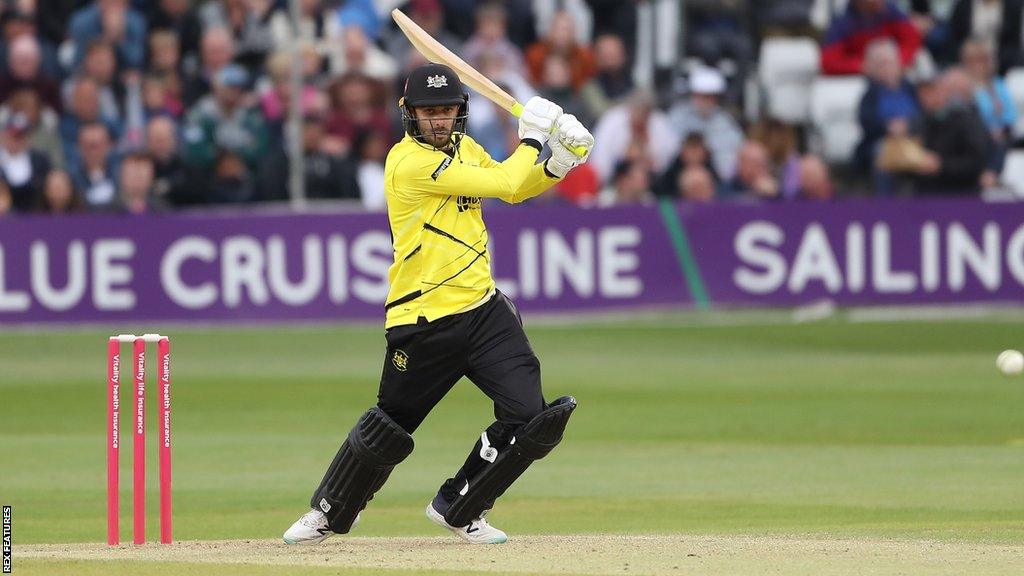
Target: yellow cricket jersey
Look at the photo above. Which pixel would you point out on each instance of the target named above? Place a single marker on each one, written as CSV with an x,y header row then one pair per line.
x,y
441,261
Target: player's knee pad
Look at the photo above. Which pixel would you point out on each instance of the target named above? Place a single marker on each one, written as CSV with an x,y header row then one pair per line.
x,y
363,463
534,441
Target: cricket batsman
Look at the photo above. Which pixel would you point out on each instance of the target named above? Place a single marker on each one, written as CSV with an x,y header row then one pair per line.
x,y
444,317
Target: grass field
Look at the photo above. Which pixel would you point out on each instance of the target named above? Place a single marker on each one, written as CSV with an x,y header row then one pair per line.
x,y
697,449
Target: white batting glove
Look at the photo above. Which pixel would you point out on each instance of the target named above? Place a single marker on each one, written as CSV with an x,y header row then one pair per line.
x,y
538,119
573,135
562,159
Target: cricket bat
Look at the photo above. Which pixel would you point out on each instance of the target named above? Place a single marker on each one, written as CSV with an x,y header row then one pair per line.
x,y
435,52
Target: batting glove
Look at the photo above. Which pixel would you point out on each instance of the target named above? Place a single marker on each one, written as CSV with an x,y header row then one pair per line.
x,y
538,119
573,135
562,159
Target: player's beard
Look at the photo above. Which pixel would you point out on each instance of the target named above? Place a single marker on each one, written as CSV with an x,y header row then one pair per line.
x,y
441,138
438,136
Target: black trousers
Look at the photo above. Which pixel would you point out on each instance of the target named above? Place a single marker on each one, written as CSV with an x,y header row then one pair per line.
x,y
487,345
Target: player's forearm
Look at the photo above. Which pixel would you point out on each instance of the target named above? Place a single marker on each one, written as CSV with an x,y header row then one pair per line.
x,y
535,184
507,178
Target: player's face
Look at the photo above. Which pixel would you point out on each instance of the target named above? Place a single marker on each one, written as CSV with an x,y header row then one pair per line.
x,y
436,123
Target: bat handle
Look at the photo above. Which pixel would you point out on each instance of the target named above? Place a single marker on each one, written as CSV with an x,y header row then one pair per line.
x,y
579,151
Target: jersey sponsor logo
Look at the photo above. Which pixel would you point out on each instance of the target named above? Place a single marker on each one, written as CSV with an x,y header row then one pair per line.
x,y
441,168
467,203
401,360
438,81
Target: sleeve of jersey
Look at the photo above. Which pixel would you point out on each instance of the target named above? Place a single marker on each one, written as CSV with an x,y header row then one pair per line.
x,y
535,184
502,180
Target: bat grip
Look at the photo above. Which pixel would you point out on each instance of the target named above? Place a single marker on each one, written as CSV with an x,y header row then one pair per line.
x,y
579,151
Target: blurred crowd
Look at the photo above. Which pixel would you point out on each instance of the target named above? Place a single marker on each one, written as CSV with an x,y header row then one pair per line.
x,y
148,105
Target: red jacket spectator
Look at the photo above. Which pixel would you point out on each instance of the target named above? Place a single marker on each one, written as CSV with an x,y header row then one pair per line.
x,y
561,39
842,51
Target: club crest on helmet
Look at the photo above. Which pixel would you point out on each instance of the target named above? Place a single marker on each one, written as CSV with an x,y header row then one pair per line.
x,y
437,81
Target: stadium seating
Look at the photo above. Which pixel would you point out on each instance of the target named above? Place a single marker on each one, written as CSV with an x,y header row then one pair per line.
x,y
835,129
1013,171
788,68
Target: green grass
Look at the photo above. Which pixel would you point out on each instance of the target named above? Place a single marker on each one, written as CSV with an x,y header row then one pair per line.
x,y
881,430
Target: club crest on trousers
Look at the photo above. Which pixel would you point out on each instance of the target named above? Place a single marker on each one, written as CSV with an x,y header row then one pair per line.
x,y
401,360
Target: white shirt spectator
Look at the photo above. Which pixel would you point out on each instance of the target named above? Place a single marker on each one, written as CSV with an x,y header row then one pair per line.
x,y
614,132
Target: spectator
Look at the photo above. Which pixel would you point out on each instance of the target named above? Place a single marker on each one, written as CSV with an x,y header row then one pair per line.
x,y
95,171
247,22
693,153
22,168
164,52
696,184
173,179
17,23
163,86
780,141
613,80
430,16
843,49
634,130
100,64
815,180
356,107
957,145
59,195
114,22
886,109
355,53
314,25
580,186
927,17
232,180
630,185
993,100
361,13
45,135
615,18
561,41
23,71
494,128
216,50
555,85
223,122
175,16
83,108
754,177
702,113
371,150
996,23
136,185
276,98
161,96
491,37
325,175
717,33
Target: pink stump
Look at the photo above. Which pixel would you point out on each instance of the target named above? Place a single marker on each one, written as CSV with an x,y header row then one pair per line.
x,y
164,379
113,440
139,444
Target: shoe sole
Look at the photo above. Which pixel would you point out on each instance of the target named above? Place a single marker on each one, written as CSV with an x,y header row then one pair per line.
x,y
438,519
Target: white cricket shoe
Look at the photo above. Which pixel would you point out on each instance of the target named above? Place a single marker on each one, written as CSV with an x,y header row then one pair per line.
x,y
311,529
479,531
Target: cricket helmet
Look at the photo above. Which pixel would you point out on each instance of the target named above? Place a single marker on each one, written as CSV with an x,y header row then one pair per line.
x,y
433,85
